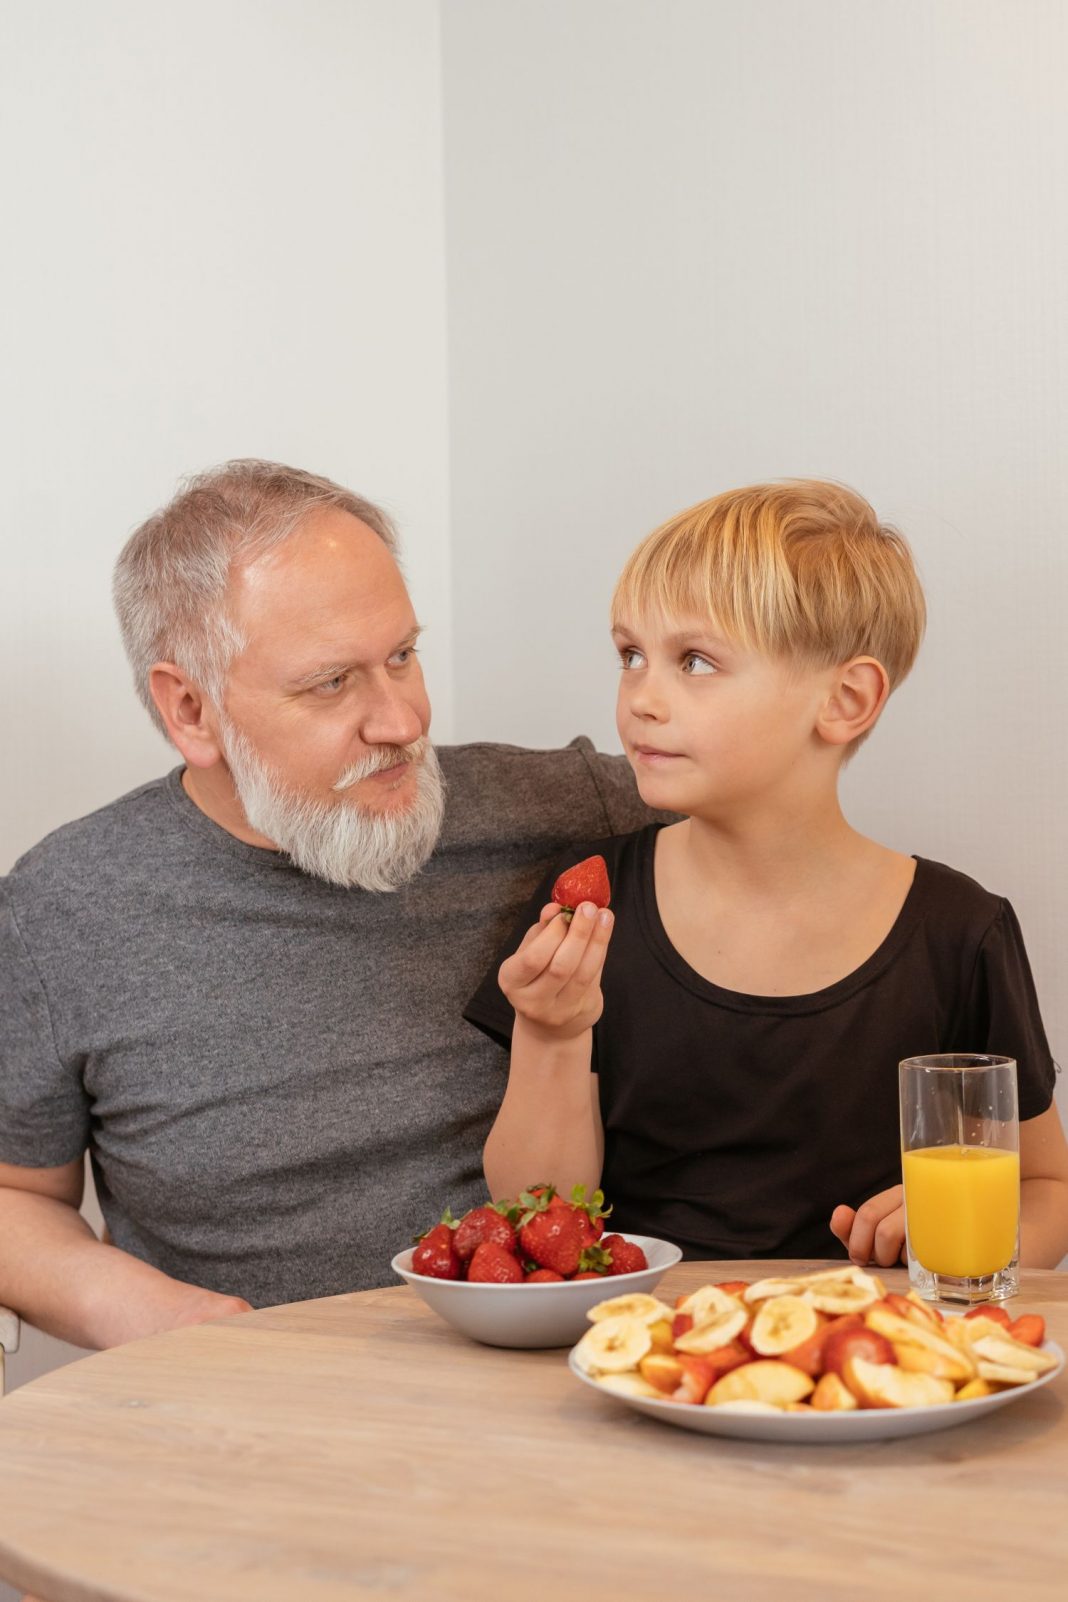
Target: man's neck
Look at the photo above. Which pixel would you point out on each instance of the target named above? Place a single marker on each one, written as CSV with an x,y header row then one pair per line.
x,y
212,791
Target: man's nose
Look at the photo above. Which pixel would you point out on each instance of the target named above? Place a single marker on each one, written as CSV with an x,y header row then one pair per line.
x,y
390,715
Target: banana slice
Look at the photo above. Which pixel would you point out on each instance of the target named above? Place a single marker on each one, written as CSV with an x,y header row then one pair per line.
x,y
1002,1374
765,1288
1014,1354
836,1292
783,1322
628,1385
718,1329
707,1302
646,1308
613,1346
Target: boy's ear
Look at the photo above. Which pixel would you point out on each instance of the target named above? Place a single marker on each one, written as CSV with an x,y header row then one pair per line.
x,y
186,713
858,694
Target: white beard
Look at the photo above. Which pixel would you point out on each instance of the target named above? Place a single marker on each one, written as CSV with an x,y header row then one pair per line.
x,y
342,842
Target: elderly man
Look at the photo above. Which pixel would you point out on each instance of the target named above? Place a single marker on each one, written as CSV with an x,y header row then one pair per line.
x,y
239,987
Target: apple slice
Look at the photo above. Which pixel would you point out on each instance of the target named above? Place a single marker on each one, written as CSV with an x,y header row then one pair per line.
x,y
765,1381
832,1396
951,1365
628,1385
889,1385
975,1389
1013,1354
904,1332
661,1371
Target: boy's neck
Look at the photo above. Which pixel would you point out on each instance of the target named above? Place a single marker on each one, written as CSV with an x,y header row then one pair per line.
x,y
773,849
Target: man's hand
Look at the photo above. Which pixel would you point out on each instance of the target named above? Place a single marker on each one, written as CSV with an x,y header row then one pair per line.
x,y
554,979
875,1231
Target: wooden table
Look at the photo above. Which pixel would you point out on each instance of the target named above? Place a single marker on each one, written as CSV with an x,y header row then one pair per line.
x,y
357,1448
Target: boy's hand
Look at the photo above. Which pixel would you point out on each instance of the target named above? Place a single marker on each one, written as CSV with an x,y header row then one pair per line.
x,y
554,979
874,1231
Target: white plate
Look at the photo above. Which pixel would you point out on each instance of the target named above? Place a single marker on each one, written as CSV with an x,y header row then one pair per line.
x,y
866,1424
533,1315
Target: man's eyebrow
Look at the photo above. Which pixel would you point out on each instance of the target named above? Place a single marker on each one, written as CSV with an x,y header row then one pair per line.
x,y
331,670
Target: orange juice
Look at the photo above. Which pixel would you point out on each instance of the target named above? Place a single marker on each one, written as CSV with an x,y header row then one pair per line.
x,y
963,1208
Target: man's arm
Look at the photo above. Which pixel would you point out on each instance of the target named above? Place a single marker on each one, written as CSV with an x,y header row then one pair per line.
x,y
56,1275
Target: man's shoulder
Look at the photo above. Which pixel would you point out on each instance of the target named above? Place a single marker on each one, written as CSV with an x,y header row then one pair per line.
x,y
509,794
79,852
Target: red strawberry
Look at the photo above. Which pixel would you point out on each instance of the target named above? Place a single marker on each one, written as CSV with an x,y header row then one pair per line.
x,y
626,1257
544,1276
588,1273
552,1236
590,1214
479,1225
492,1264
434,1255
586,881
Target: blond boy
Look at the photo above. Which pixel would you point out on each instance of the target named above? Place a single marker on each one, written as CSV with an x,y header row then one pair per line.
x,y
744,1005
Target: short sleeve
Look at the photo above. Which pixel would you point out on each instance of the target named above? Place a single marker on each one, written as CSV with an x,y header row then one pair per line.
x,y
1003,1012
44,1112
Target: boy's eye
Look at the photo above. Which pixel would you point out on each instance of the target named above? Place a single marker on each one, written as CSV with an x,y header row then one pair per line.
x,y
630,658
697,666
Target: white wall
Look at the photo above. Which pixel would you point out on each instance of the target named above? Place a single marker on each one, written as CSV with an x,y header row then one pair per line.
x,y
699,243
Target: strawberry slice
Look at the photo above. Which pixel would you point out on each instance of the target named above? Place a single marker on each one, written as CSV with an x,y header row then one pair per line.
x,y
586,881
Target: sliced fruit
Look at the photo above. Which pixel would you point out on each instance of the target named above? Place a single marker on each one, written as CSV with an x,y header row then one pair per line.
x,y
628,1385
699,1374
663,1372
991,1311
971,1328
769,1380
1030,1328
733,1287
975,1389
832,1395
705,1303
782,1322
718,1329
854,1341
907,1333
636,1305
681,1324
916,1312
1014,1355
763,1288
613,1346
887,1385
1002,1374
852,1292
956,1366
662,1337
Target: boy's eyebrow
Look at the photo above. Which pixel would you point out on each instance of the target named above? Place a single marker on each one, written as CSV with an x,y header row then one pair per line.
x,y
330,670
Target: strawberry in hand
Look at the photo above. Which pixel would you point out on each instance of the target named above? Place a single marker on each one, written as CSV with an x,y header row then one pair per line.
x,y
586,881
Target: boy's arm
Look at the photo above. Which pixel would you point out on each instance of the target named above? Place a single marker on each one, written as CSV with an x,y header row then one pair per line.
x,y
876,1231
549,1125
56,1275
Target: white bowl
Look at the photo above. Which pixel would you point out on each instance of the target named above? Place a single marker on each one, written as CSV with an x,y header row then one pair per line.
x,y
542,1314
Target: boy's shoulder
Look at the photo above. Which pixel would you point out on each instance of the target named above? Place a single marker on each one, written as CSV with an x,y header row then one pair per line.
x,y
954,900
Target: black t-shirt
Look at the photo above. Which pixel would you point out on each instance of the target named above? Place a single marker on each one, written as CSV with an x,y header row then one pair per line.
x,y
734,1124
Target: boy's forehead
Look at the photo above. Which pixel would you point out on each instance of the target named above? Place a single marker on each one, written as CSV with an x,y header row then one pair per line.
x,y
674,628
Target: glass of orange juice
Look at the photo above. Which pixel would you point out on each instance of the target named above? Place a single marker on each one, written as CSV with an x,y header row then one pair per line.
x,y
960,1164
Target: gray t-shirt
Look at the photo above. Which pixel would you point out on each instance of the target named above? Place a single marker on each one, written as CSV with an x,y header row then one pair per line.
x,y
272,1074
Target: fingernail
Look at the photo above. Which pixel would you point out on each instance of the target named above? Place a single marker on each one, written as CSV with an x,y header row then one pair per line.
x,y
605,918
588,909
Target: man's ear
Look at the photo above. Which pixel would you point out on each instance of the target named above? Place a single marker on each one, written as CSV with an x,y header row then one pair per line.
x,y
188,716
858,694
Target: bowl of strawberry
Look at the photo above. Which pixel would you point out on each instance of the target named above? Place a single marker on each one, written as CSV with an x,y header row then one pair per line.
x,y
525,1272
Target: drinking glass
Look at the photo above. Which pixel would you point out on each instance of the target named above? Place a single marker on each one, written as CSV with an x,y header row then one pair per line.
x,y
960,1164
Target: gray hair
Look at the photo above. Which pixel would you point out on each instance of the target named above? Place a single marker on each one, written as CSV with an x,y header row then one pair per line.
x,y
172,574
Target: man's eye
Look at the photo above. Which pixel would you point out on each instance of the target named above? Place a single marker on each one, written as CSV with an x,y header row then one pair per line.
x,y
698,666
630,659
330,687
403,657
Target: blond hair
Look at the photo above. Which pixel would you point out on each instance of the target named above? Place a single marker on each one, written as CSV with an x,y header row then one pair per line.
x,y
800,569
171,577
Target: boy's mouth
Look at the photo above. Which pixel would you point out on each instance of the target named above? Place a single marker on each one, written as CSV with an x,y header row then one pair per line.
x,y
650,753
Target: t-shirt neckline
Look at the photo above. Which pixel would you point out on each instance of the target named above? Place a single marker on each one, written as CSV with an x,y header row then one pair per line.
x,y
192,817
780,1006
